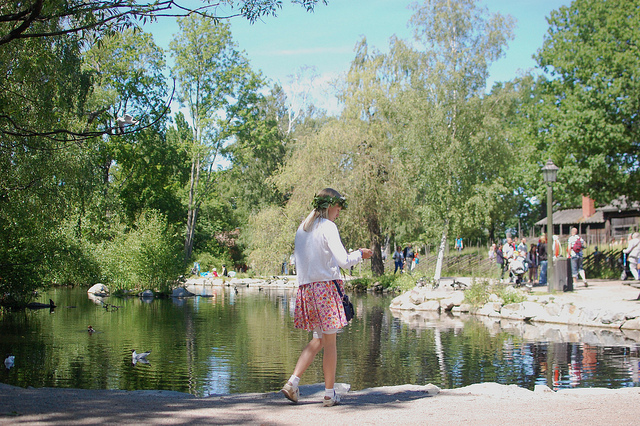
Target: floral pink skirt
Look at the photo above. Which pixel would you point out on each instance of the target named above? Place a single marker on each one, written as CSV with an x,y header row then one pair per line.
x,y
319,305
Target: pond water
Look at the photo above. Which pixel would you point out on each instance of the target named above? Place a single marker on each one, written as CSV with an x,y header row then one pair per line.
x,y
246,342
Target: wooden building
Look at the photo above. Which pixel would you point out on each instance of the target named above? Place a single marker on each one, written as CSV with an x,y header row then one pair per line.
x,y
600,225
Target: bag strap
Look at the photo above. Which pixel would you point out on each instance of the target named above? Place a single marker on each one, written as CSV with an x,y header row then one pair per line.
x,y
338,287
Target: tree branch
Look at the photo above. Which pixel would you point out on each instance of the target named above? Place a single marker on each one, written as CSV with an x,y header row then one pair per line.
x,y
123,13
76,137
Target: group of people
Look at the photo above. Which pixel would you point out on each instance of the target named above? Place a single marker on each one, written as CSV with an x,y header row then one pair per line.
x,y
535,257
532,257
402,258
633,252
208,274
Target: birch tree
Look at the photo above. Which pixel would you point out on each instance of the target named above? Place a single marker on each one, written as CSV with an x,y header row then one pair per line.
x,y
213,80
444,112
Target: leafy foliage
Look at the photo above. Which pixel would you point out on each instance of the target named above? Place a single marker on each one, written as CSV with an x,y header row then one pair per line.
x,y
480,291
589,98
420,147
34,19
144,257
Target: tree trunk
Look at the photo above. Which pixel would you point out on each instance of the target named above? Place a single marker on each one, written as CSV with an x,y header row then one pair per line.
x,y
443,243
192,211
377,265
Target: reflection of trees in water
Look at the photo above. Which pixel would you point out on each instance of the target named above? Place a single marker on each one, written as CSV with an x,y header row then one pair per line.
x,y
216,345
478,350
376,316
578,364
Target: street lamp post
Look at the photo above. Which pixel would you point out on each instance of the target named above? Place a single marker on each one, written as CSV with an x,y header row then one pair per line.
x,y
550,173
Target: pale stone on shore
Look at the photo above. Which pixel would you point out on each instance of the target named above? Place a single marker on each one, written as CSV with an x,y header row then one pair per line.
x,y
542,389
429,305
633,324
551,316
99,290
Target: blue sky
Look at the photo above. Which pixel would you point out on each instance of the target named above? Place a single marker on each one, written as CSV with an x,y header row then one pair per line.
x,y
325,39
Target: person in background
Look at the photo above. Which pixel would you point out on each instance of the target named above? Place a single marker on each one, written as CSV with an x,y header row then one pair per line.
x,y
408,257
459,244
500,261
532,258
557,247
508,249
319,256
633,252
575,248
523,245
492,253
398,259
542,258
508,254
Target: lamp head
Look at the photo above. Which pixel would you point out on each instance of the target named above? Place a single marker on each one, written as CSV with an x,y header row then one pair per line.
x,y
550,171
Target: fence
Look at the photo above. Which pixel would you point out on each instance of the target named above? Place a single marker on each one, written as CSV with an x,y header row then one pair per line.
x,y
602,264
466,264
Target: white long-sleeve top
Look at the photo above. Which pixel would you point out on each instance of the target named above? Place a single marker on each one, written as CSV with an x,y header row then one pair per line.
x,y
633,249
320,254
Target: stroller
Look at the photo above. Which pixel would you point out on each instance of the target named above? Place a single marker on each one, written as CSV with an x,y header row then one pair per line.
x,y
518,266
626,271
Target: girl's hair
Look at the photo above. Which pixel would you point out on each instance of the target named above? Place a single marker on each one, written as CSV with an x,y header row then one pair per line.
x,y
319,212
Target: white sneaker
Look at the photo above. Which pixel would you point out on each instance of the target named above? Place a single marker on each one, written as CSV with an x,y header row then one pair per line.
x,y
291,392
331,402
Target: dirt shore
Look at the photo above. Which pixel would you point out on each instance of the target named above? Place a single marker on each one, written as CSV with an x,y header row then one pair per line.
x,y
487,403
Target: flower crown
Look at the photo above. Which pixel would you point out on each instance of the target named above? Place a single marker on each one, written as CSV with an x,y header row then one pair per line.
x,y
326,201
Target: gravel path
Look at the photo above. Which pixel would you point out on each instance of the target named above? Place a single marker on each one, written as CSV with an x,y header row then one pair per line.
x,y
480,404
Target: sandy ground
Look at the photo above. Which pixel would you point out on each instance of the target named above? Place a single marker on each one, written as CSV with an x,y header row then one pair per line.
x,y
481,404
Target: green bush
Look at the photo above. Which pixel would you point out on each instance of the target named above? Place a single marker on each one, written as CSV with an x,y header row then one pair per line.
x,y
72,262
359,284
509,294
38,262
405,282
478,293
146,257
388,280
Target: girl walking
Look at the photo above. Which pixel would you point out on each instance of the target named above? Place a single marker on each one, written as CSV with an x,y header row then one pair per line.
x,y
319,255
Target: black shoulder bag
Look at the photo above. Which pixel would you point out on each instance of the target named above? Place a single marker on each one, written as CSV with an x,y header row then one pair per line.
x,y
349,312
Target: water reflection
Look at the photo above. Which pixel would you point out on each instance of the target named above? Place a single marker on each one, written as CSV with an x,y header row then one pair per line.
x,y
228,341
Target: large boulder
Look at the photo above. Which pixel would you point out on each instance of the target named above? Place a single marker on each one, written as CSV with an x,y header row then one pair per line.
x,y
181,292
490,309
416,297
429,305
632,324
146,293
455,299
99,290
